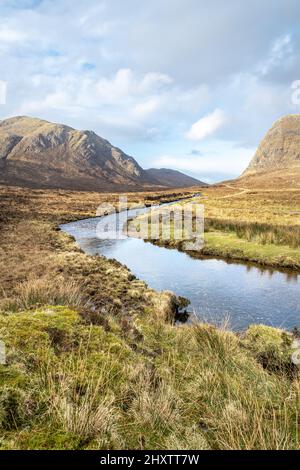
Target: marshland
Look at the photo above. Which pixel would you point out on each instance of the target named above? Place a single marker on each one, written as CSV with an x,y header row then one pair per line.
x,y
94,360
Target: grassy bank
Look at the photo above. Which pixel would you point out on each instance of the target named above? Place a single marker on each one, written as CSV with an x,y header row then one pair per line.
x,y
71,383
229,246
261,226
94,361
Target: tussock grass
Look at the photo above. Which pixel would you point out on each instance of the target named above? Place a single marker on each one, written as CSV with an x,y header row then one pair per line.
x,y
116,374
45,291
196,386
75,398
258,232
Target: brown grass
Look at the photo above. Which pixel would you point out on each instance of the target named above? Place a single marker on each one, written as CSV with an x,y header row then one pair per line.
x,y
114,374
49,291
40,265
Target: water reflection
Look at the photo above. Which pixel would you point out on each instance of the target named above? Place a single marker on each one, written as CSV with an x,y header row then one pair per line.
x,y
218,289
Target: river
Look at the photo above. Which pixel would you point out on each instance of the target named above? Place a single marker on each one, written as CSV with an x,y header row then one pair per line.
x,y
219,291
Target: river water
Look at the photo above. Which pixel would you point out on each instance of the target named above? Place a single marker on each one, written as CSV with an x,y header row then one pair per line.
x,y
218,290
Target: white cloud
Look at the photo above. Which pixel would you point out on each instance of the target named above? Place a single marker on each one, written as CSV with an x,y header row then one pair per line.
x,y
107,69
125,99
146,108
206,126
111,90
10,35
125,83
3,92
153,80
281,52
229,162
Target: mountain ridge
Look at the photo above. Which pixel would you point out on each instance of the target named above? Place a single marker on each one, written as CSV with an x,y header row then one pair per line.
x,y
38,153
173,177
279,149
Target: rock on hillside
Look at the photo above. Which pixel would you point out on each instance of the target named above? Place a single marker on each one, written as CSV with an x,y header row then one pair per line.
x,y
279,149
38,153
173,178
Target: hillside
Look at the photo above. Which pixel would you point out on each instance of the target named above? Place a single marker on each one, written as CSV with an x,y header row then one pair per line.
x,y
40,154
279,150
172,178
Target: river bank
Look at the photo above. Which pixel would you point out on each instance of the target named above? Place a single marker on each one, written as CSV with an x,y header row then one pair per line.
x,y
93,361
241,293
259,226
228,246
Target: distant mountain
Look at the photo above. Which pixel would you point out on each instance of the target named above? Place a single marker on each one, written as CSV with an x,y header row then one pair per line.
x,y
280,148
172,178
37,153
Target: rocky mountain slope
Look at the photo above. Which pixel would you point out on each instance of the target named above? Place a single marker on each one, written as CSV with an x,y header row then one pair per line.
x,y
172,178
279,149
37,153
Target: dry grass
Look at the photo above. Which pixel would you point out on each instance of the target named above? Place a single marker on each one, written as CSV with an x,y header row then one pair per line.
x,y
48,291
258,225
181,388
79,407
263,205
40,265
115,374
258,232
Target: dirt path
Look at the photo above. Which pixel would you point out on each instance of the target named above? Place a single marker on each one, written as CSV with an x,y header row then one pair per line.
x,y
241,191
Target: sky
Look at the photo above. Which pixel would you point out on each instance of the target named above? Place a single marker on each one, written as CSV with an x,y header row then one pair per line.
x,y
186,84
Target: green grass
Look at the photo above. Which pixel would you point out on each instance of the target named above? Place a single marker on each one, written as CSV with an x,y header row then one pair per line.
x,y
94,362
260,233
265,244
70,385
229,245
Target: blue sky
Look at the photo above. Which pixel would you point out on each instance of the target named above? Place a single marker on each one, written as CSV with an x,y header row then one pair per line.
x,y
187,84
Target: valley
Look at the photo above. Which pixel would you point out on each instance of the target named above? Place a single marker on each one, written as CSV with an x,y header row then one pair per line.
x,y
94,361
149,232
94,358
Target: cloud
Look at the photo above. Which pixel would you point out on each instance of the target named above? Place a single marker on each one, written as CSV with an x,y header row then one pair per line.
x,y
281,52
20,4
215,163
125,83
206,126
142,105
196,152
108,69
154,80
146,108
3,92
11,35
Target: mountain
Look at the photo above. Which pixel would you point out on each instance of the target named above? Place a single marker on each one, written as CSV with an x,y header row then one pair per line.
x,y
172,178
279,151
41,154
